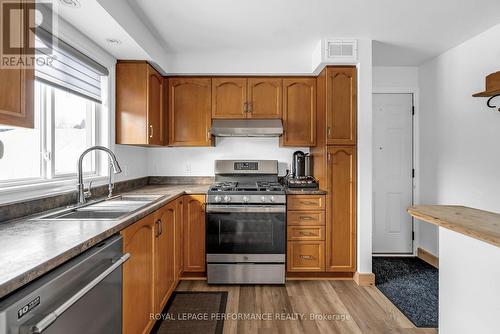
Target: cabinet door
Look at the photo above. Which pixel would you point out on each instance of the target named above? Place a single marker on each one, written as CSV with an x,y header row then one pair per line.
x,y
299,112
341,105
189,102
341,210
165,254
155,107
178,237
265,97
17,84
229,98
194,233
138,276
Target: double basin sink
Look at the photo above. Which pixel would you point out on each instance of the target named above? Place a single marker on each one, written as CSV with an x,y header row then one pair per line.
x,y
113,208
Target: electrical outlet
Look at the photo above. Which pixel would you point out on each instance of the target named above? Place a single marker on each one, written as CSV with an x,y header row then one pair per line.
x,y
188,168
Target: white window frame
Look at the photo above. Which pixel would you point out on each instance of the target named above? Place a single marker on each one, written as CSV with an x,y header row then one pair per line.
x,y
48,177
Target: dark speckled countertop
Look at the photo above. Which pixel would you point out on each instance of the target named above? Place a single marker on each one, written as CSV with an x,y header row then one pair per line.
x,y
29,249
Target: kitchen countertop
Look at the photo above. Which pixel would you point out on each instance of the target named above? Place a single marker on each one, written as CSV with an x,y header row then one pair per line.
x,y
304,191
477,224
29,249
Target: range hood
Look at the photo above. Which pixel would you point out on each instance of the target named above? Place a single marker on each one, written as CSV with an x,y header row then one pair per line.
x,y
246,128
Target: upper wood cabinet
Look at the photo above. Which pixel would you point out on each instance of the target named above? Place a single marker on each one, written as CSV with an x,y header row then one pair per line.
x,y
299,112
341,209
139,104
17,84
239,98
194,233
138,275
229,97
341,105
264,98
189,111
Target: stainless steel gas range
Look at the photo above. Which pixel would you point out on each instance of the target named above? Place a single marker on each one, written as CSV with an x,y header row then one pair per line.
x,y
245,229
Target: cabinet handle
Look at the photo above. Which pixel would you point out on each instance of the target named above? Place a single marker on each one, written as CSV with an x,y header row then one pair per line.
x,y
305,218
329,157
307,257
208,135
245,107
157,224
250,107
151,131
329,131
309,234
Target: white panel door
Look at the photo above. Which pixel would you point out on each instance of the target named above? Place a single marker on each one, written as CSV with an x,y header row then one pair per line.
x,y
392,179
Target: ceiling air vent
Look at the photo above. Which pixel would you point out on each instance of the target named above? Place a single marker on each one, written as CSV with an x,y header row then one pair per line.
x,y
341,50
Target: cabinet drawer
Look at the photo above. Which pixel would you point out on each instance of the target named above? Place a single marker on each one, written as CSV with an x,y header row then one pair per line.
x,y
306,256
306,202
306,233
306,218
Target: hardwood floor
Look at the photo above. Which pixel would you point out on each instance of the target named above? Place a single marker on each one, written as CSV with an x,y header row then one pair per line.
x,y
352,309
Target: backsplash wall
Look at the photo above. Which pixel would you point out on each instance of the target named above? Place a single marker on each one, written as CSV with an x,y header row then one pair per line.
x,y
199,161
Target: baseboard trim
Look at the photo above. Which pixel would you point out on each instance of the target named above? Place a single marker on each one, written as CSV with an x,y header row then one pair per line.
x,y
364,279
428,257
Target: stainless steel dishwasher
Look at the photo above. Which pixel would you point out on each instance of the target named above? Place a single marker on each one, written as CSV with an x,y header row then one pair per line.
x,y
84,295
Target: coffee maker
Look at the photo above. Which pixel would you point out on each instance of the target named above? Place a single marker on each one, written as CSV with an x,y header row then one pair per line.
x,y
301,176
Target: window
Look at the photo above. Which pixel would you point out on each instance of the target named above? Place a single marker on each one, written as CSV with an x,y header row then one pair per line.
x,y
65,125
68,120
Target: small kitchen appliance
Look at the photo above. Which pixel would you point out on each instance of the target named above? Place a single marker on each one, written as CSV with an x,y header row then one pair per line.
x,y
246,224
301,176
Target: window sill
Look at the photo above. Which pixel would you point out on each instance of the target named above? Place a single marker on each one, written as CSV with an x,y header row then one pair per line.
x,y
39,189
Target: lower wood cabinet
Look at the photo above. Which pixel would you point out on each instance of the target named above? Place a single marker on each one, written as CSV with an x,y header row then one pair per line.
x,y
165,254
306,256
139,239
194,233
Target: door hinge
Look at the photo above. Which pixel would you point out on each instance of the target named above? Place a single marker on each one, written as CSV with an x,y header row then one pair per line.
x,y
413,173
413,110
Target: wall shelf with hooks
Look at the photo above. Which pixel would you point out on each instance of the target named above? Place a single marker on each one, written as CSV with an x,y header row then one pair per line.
x,y
492,89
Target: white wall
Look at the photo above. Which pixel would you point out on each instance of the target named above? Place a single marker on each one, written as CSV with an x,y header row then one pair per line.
x,y
199,161
469,273
399,77
459,135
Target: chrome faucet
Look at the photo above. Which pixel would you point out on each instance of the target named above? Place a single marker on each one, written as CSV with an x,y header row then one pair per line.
x,y
115,166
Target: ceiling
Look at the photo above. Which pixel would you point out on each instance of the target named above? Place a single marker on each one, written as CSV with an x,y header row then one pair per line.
x,y
405,33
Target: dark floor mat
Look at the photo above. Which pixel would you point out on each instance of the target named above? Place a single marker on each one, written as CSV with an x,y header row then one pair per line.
x,y
193,313
412,285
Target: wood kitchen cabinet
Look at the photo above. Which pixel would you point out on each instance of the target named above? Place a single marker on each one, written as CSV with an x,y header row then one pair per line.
x,y
189,111
17,84
341,209
299,112
341,108
139,104
241,98
165,254
194,233
139,240
305,233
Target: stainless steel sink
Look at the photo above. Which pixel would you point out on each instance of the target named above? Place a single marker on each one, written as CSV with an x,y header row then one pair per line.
x,y
113,208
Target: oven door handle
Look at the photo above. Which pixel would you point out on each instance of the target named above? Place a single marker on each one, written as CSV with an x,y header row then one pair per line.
x,y
245,209
51,317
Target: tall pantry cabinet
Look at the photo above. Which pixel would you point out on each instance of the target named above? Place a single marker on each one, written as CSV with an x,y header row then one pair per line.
x,y
334,162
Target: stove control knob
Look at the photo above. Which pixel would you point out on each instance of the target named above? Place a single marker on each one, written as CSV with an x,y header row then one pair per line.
x,y
271,199
263,198
217,199
227,199
245,199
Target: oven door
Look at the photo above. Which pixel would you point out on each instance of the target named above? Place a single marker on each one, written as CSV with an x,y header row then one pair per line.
x,y
245,229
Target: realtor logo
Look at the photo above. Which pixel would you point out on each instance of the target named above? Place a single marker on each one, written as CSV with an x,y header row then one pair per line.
x,y
20,21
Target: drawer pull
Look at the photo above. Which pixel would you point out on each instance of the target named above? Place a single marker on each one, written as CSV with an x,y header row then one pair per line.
x,y
307,257
307,233
308,202
306,218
